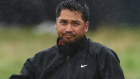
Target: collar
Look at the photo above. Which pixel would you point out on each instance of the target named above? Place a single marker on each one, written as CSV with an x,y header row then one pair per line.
x,y
60,42
73,48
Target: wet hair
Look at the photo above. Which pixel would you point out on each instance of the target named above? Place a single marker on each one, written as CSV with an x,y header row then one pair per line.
x,y
74,5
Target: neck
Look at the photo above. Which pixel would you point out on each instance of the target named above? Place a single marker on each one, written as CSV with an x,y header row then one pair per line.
x,y
72,48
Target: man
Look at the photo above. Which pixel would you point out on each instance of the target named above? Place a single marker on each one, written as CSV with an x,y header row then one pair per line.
x,y
74,56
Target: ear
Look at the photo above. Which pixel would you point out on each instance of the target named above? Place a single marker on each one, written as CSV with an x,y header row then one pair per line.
x,y
56,23
55,26
56,20
86,26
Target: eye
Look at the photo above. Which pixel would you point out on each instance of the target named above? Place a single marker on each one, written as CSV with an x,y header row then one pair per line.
x,y
76,23
63,22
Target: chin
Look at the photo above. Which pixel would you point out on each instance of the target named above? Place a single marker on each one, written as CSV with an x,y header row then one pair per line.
x,y
68,41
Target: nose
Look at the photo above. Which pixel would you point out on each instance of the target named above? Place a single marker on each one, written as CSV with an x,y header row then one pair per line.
x,y
69,28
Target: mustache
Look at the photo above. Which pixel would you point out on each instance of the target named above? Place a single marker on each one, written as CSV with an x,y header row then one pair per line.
x,y
69,33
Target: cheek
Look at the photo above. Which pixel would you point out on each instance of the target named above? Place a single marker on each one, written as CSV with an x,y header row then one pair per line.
x,y
79,30
59,29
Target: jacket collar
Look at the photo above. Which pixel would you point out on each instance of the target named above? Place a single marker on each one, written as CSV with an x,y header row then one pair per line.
x,y
71,49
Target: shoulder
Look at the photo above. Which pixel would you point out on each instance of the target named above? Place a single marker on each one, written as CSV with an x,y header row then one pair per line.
x,y
95,47
46,54
48,51
101,50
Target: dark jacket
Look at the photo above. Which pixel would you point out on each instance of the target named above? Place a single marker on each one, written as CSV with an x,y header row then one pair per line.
x,y
84,59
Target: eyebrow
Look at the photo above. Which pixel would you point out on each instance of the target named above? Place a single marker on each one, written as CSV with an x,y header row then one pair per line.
x,y
63,20
72,20
75,21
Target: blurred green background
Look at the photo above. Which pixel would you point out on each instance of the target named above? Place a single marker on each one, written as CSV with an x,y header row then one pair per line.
x,y
16,45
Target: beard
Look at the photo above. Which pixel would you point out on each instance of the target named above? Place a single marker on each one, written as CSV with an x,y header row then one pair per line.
x,y
68,38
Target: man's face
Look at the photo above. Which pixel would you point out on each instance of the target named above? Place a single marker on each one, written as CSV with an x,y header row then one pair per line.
x,y
70,26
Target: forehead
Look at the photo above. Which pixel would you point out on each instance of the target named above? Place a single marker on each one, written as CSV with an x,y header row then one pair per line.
x,y
70,15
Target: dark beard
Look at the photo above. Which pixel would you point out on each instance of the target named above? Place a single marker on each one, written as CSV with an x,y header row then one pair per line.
x,y
69,43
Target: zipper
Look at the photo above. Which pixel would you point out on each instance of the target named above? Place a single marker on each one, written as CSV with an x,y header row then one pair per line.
x,y
68,68
67,58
